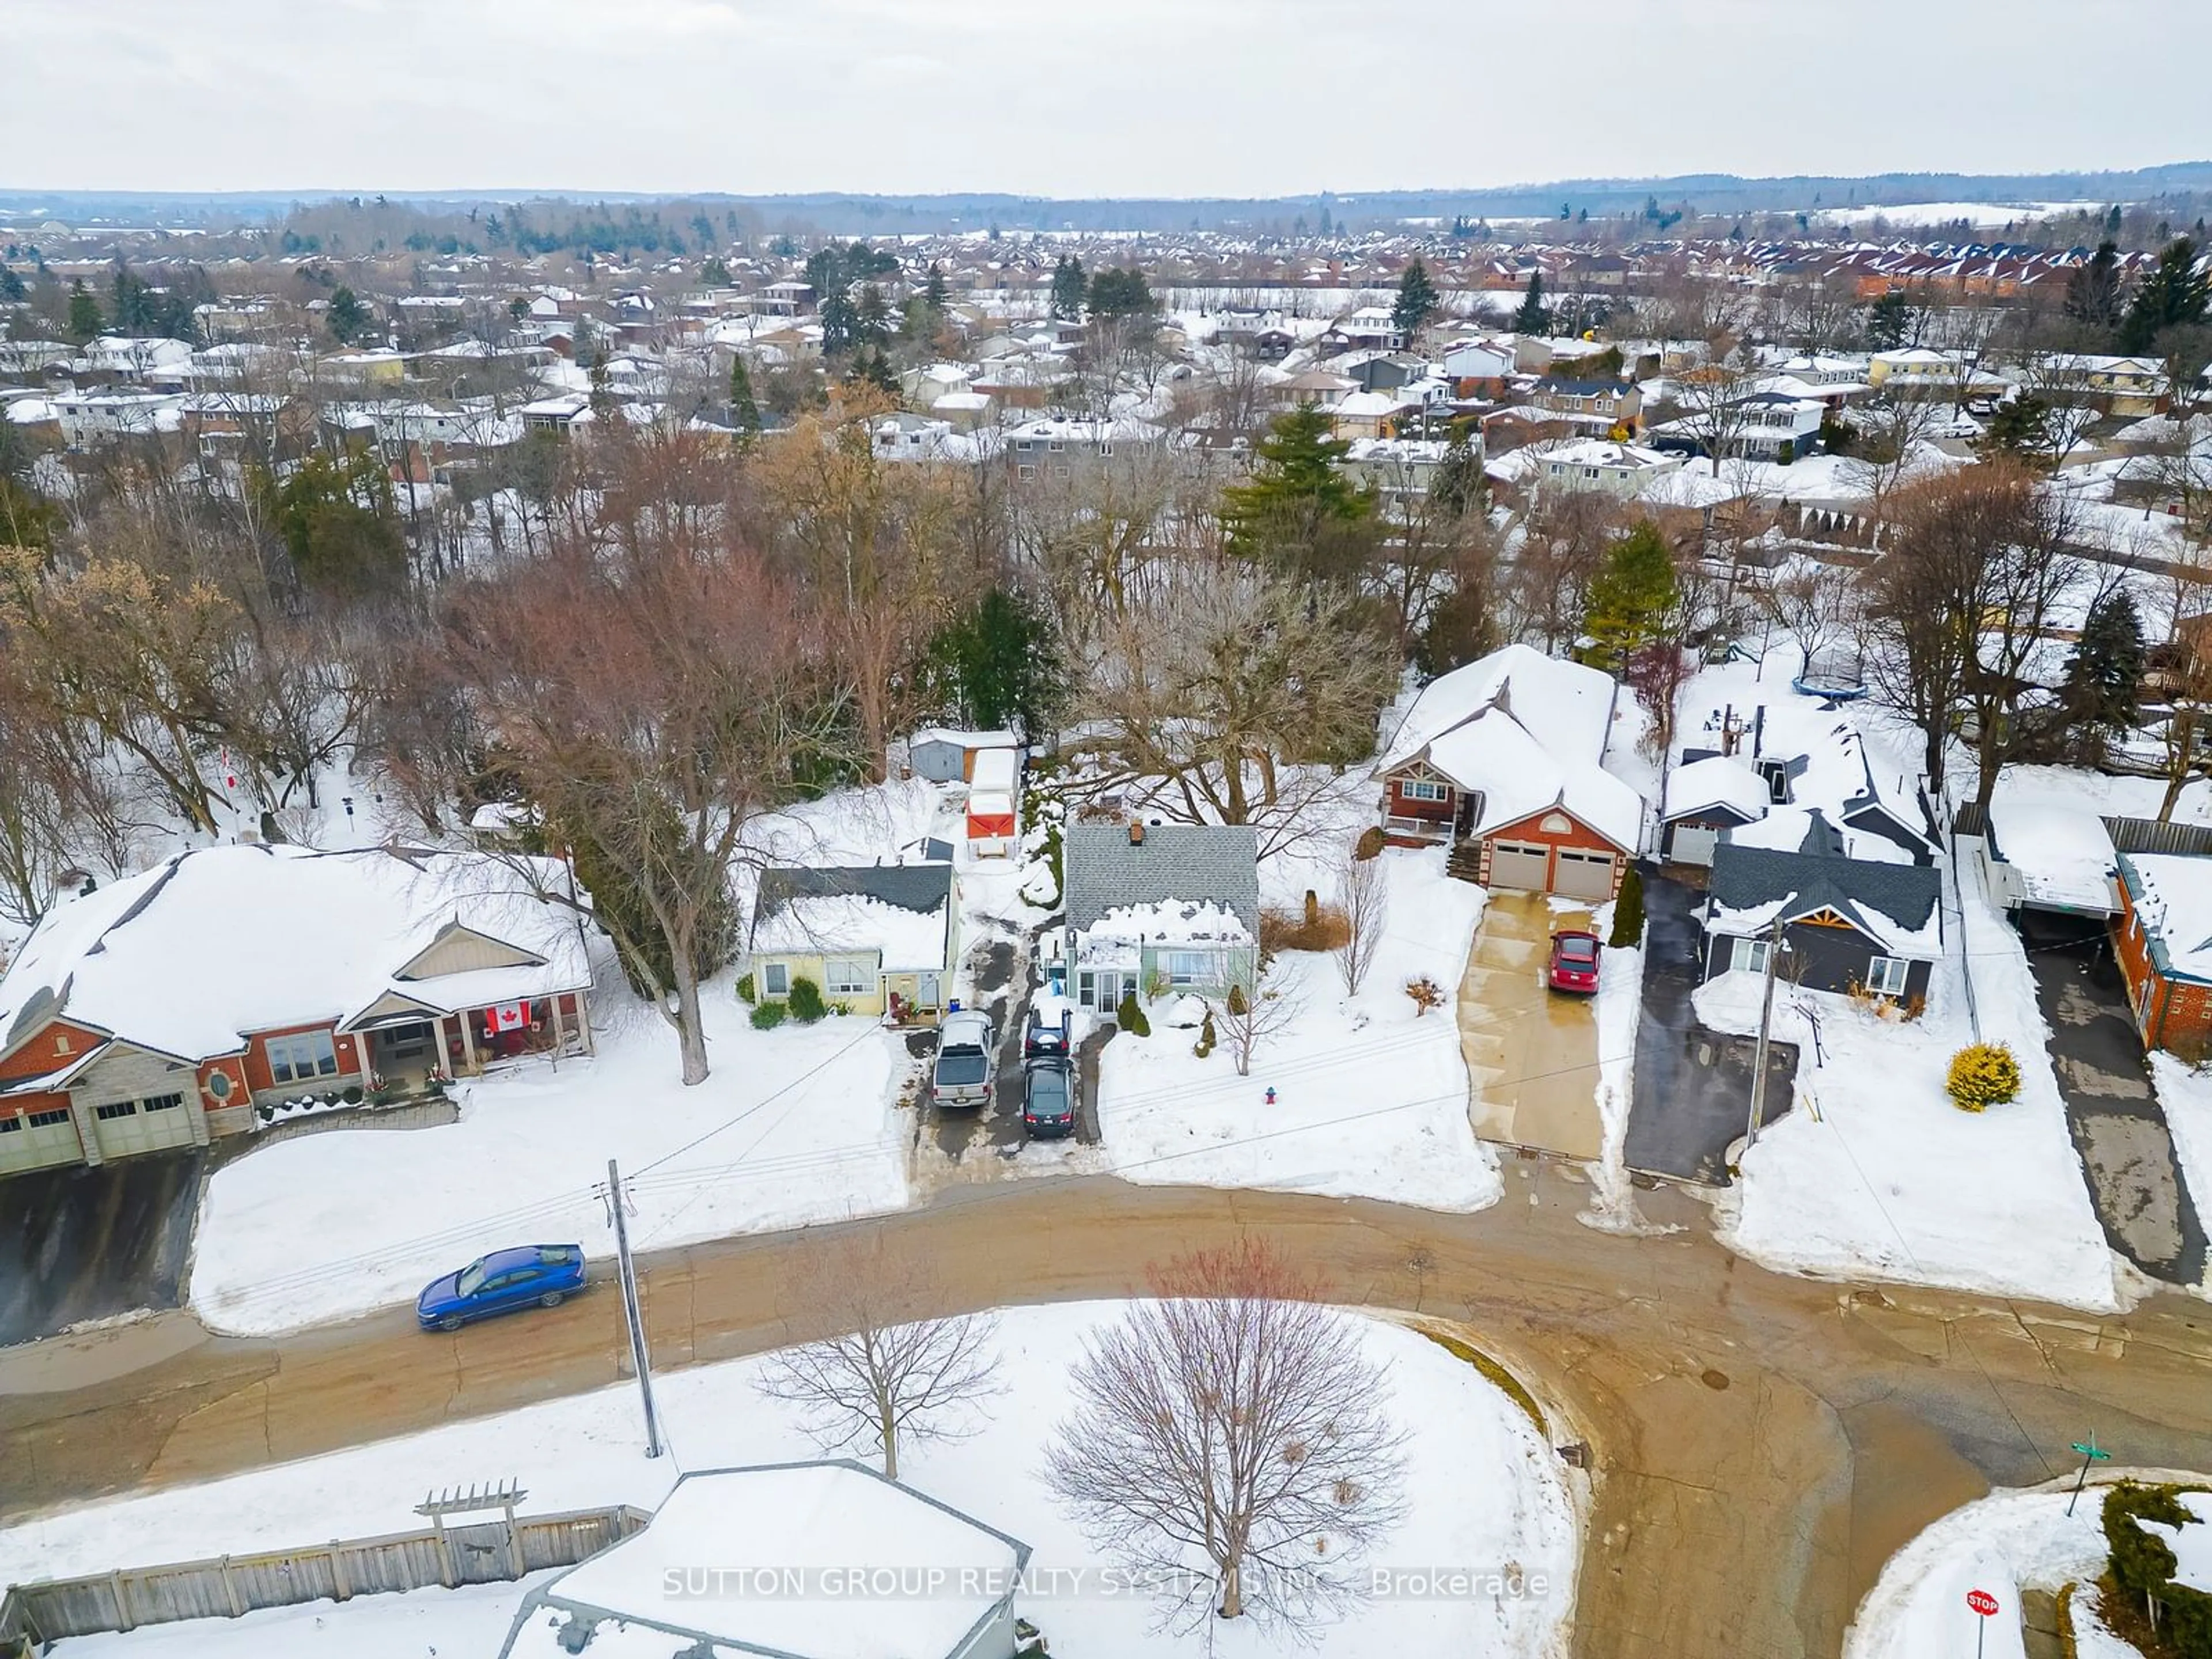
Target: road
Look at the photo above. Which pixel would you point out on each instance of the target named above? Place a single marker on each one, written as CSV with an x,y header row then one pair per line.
x,y
1692,1085
1763,1442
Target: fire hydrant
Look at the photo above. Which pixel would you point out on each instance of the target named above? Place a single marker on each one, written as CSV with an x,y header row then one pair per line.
x,y
1271,1095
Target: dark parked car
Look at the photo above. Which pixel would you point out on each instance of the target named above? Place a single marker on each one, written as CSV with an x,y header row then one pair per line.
x,y
1048,1098
1574,962
541,1275
1051,1028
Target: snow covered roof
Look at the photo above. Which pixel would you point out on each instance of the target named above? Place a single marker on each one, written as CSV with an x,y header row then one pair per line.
x,y
2172,896
901,909
1497,757
1186,864
1895,905
193,955
2063,855
1124,929
1715,781
1567,707
813,1529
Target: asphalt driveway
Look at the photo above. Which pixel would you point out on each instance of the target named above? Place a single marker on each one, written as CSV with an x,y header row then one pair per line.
x,y
1692,1092
2111,1111
81,1242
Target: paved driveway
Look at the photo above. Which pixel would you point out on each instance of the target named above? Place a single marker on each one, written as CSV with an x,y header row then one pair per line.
x,y
1531,1055
1691,1089
2111,1110
81,1242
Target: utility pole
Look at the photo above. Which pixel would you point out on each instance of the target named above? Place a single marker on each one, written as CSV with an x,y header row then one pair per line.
x,y
1759,1058
627,1274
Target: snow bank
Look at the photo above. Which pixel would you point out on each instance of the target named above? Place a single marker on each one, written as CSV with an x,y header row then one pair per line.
x,y
2185,1096
586,1451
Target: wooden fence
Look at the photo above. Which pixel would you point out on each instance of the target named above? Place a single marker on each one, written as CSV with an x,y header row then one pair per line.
x,y
2129,835
485,1552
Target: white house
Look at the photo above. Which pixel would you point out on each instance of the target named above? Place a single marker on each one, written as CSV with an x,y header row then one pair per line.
x,y
1621,469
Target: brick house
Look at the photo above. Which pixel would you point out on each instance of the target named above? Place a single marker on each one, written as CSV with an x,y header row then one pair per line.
x,y
186,1003
1502,759
2162,938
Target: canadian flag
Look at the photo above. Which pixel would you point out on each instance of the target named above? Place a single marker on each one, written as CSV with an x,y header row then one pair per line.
x,y
508,1015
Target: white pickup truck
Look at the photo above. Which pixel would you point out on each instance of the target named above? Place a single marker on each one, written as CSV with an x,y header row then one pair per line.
x,y
967,1059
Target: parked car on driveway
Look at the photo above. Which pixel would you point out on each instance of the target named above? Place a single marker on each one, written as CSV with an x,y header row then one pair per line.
x,y
966,1056
540,1275
1051,1029
1574,962
1048,1098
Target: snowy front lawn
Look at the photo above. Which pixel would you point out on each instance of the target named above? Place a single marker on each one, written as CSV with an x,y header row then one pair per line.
x,y
1874,1175
1371,1095
795,1125
2185,1095
1485,1494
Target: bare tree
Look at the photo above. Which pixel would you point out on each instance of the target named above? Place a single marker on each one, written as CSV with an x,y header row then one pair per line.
x,y
1889,445
891,1372
1820,606
1233,1438
1713,401
1363,896
1252,1014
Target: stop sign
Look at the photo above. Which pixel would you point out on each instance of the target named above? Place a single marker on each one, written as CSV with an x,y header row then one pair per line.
x,y
1982,1602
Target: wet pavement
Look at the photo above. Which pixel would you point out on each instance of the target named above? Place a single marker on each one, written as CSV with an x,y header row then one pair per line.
x,y
1531,1053
1003,988
2110,1109
83,1243
1691,1084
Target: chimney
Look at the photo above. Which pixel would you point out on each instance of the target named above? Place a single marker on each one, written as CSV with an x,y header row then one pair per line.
x,y
1136,834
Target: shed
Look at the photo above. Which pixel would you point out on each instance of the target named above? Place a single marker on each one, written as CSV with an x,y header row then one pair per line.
x,y
2050,856
943,755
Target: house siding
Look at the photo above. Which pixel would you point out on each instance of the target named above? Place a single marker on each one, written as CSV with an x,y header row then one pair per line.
x,y
1434,814
1834,958
41,1053
1576,837
2171,1013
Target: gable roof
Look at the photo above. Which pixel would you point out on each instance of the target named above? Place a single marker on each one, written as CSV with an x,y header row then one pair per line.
x,y
1717,781
1566,707
903,911
1180,863
1897,906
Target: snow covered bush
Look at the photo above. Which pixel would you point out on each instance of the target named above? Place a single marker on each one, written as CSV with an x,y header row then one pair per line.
x,y
1983,1075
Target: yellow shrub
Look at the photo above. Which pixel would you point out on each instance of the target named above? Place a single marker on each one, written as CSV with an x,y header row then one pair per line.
x,y
1983,1074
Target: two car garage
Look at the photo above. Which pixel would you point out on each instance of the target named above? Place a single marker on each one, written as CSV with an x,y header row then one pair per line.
x,y
48,1136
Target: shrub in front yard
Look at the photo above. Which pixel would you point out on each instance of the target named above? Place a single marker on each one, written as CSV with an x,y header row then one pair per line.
x,y
1370,844
1426,994
806,1004
1983,1075
1628,912
1204,1046
768,1016
1130,1016
745,992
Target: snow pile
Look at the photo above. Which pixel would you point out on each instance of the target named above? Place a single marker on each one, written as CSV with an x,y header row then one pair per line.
x,y
803,1128
1370,1099
1876,1175
855,922
2185,1096
2062,854
585,1451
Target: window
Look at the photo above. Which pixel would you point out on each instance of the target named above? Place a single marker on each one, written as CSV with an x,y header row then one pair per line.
x,y
775,979
116,1108
848,976
47,1120
1749,956
1192,967
1886,976
296,1059
161,1103
1423,790
10,1126
1026,474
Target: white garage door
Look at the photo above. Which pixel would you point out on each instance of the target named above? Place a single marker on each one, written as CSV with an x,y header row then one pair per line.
x,y
1694,844
1520,865
1584,875
37,1140
143,1125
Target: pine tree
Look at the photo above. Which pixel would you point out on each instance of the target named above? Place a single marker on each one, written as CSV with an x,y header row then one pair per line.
x,y
744,408
347,317
2093,291
1889,320
1003,665
1297,488
1533,319
871,319
870,366
1630,599
2112,223
714,273
2102,687
1067,288
1417,300
85,320
938,296
838,323
2174,295
1120,292
2021,429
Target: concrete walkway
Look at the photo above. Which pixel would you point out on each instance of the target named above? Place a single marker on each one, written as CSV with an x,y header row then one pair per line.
x,y
1531,1054
2110,1109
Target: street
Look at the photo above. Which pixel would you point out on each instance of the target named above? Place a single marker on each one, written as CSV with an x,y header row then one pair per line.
x,y
1762,1443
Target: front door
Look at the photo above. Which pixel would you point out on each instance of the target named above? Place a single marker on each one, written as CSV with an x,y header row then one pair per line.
x,y
406,1053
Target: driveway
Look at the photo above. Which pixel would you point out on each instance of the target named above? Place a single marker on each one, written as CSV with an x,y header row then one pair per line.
x,y
84,1242
1692,1093
2110,1109
1531,1055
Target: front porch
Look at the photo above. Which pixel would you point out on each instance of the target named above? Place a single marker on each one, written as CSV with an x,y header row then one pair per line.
x,y
414,1050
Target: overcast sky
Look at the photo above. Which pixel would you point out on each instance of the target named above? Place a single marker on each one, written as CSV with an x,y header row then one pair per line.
x,y
1079,97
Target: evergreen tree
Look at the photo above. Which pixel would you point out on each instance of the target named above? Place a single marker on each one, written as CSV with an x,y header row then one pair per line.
x,y
12,290
2174,295
838,320
1631,598
1120,292
2093,291
938,296
85,319
714,273
2021,429
2112,223
1067,288
1457,487
1533,319
337,521
2102,687
871,319
1417,300
347,317
744,408
1889,320
1296,489
871,366
1002,665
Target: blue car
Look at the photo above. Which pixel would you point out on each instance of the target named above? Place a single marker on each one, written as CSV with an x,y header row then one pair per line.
x,y
540,1274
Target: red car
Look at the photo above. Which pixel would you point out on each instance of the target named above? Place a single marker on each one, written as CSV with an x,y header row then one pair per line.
x,y
1574,962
